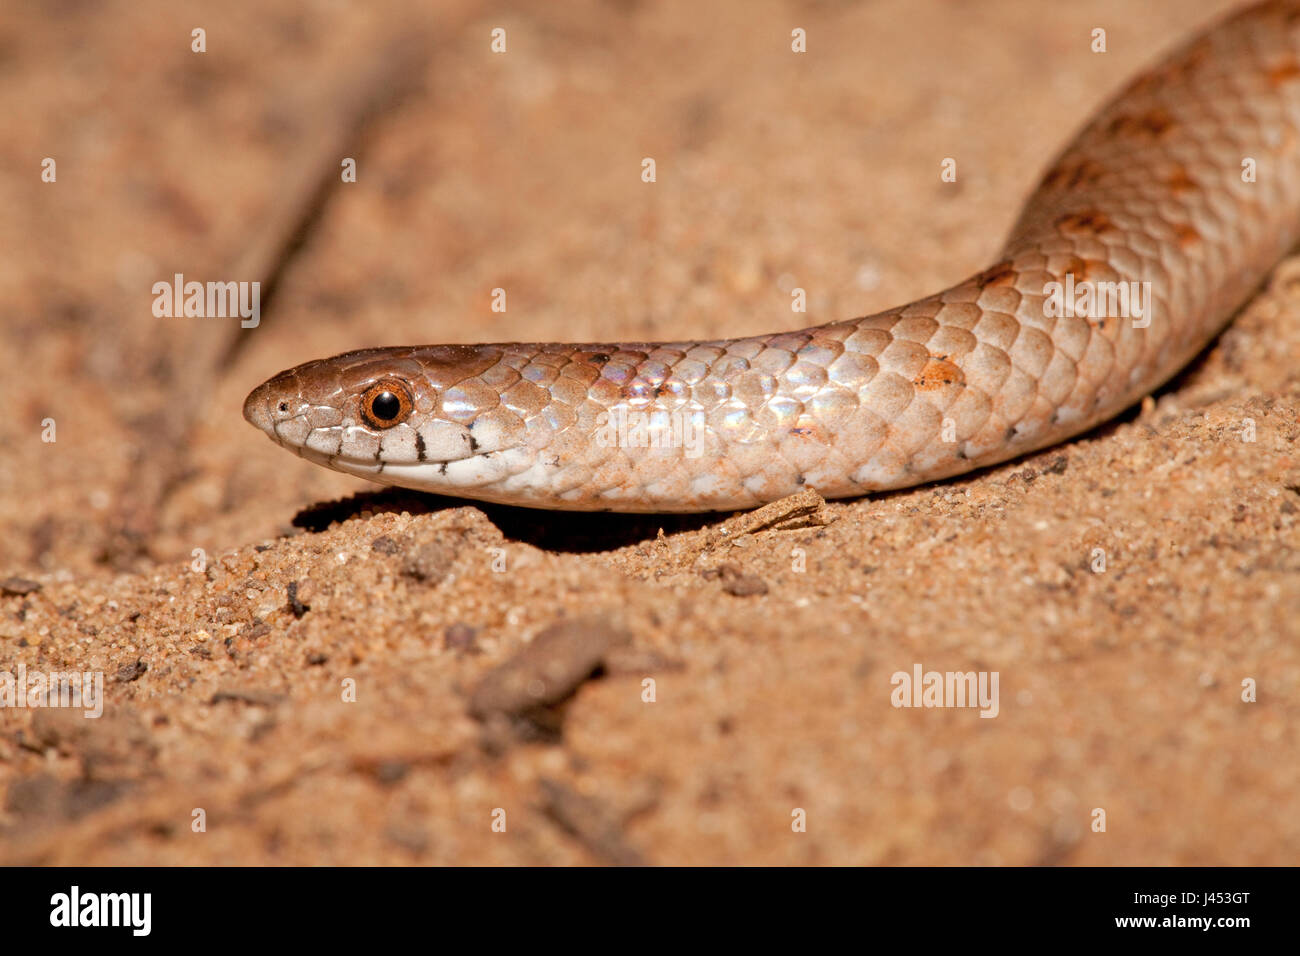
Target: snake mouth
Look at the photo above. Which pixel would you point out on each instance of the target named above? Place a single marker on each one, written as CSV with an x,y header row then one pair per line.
x,y
450,476
351,465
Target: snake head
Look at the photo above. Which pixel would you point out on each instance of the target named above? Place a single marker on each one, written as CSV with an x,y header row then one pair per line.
x,y
419,417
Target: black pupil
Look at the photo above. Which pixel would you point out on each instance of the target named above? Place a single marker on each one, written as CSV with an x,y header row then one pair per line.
x,y
385,406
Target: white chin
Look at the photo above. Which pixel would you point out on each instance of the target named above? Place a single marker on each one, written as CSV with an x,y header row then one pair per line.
x,y
448,478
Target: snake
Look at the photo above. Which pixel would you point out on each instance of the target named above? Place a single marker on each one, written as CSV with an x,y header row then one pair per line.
x,y
1137,247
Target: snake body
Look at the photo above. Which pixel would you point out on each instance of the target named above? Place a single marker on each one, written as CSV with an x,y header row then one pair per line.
x,y
1182,193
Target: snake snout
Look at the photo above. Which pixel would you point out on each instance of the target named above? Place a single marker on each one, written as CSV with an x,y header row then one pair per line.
x,y
270,404
256,412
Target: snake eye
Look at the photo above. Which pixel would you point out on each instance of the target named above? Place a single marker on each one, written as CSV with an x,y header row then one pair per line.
x,y
386,403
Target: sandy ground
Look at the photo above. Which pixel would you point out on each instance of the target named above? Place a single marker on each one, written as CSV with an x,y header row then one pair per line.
x,y
332,673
